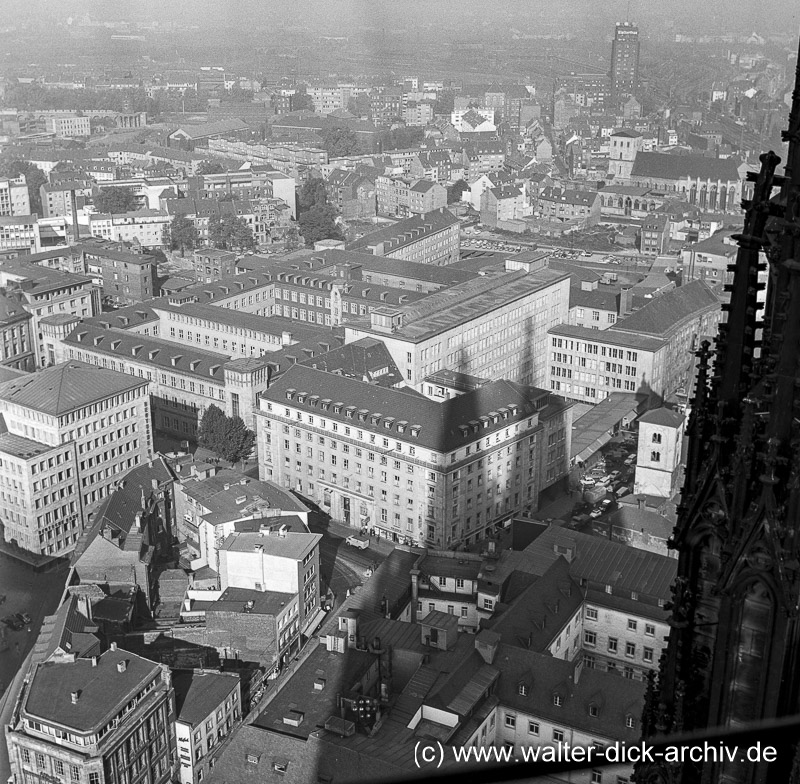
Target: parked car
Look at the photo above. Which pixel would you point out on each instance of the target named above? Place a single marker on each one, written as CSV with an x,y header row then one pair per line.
x,y
630,460
622,491
606,504
24,617
358,542
595,513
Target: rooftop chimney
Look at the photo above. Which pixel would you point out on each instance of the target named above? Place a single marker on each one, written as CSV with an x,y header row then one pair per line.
x,y
122,666
113,646
75,696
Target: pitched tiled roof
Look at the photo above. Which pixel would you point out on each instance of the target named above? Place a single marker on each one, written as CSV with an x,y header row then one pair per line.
x,y
408,230
664,166
63,388
663,314
443,426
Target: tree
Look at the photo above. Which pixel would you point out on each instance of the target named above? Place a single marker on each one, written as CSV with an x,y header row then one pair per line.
x,y
340,141
183,234
311,194
210,167
227,437
402,138
115,200
238,441
34,178
211,431
455,190
301,102
319,223
229,231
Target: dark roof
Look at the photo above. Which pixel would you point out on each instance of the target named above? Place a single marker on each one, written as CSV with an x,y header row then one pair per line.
x,y
604,563
199,694
578,687
612,337
366,359
406,231
541,610
663,314
665,166
443,426
662,416
236,600
65,387
102,689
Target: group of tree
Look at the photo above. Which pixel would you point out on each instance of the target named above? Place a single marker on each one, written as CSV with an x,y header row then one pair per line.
x,y
182,234
227,437
316,217
210,167
115,200
34,177
402,138
230,232
455,190
340,141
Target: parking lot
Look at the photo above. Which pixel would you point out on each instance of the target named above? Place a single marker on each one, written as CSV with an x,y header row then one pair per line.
x,y
609,479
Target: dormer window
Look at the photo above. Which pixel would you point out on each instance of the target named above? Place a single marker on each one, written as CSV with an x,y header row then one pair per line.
x,y
337,409
290,394
523,690
630,722
557,700
594,711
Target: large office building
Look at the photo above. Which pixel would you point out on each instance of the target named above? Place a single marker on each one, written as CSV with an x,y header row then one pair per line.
x,y
625,60
68,434
14,197
493,327
648,353
410,468
432,238
48,293
93,718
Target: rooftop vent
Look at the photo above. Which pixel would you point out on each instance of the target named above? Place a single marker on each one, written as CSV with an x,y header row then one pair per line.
x,y
74,695
122,666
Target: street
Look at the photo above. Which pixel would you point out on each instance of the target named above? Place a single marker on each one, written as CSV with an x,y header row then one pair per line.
x,y
343,567
26,591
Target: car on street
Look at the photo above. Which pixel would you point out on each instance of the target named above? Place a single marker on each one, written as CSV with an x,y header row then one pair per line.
x,y
595,513
358,542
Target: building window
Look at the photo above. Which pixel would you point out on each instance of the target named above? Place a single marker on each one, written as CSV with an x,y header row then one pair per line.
x,y
591,613
597,777
656,438
647,655
590,638
630,649
557,701
94,778
523,690
631,625
558,736
655,457
533,727
649,629
612,644
630,722
511,720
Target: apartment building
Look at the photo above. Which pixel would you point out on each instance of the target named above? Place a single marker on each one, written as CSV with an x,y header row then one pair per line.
x,y
68,126
20,232
439,473
351,193
397,196
211,503
211,264
208,706
566,205
432,238
277,560
14,197
288,157
150,228
491,327
58,198
47,293
70,432
123,276
16,342
655,235
99,718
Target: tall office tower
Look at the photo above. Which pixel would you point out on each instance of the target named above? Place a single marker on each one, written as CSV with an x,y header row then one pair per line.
x,y
625,60
732,652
